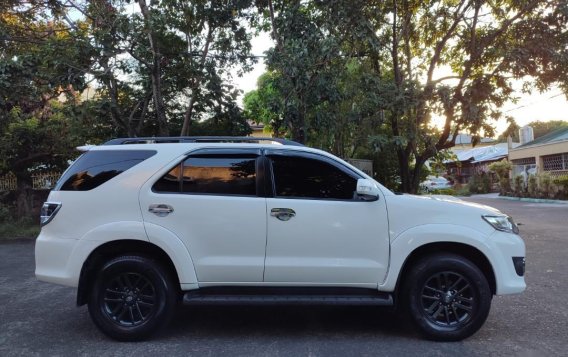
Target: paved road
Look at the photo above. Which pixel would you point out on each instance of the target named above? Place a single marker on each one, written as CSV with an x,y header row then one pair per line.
x,y
41,319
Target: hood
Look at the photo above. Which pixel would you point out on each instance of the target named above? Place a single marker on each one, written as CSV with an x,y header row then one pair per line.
x,y
407,211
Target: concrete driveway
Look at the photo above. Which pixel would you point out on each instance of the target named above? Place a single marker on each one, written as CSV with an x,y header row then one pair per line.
x,y
39,319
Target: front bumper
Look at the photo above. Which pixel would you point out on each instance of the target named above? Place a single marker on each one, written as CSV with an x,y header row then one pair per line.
x,y
508,260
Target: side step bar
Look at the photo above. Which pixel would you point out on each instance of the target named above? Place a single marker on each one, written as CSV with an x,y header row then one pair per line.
x,y
377,299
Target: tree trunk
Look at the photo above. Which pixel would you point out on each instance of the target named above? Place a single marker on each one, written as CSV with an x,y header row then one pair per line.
x,y
155,73
188,114
23,196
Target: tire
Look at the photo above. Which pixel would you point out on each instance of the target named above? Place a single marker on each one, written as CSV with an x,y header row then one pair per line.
x,y
447,296
132,298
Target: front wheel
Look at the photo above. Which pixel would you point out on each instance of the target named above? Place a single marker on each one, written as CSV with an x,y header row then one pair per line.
x,y
448,297
132,298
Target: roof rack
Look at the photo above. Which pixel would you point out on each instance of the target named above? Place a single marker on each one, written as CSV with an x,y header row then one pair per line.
x,y
198,139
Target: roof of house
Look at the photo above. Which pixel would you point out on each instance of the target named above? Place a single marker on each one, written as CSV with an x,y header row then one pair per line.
x,y
554,136
481,154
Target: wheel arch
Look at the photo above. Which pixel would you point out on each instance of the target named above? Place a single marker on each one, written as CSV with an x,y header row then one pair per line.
x,y
465,250
115,248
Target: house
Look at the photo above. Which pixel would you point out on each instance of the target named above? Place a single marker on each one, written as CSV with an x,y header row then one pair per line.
x,y
472,160
548,153
258,130
475,161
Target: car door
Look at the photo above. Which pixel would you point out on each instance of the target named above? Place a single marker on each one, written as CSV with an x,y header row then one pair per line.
x,y
210,200
319,230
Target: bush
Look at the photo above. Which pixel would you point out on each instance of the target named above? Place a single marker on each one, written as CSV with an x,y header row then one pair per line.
x,y
562,183
545,184
444,191
463,191
518,185
23,228
5,215
480,183
501,169
532,186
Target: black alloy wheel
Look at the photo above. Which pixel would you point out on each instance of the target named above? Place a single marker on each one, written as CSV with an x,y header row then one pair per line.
x,y
129,299
132,298
448,299
447,296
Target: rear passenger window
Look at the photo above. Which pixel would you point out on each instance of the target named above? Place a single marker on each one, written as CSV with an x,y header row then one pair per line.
x,y
212,174
94,168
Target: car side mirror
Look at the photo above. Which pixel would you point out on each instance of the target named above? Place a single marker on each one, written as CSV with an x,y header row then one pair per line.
x,y
367,190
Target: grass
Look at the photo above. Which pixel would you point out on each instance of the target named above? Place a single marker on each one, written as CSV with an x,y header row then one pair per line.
x,y
19,229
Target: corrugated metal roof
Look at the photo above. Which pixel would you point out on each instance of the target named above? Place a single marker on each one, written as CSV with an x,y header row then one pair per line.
x,y
557,135
485,153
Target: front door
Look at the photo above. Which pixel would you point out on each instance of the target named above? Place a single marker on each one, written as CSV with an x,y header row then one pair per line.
x,y
215,211
319,231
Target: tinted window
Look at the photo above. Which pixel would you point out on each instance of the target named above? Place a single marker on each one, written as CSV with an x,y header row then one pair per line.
x,y
223,175
310,178
94,168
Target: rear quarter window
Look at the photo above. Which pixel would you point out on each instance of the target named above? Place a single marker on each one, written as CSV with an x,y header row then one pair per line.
x,y
94,168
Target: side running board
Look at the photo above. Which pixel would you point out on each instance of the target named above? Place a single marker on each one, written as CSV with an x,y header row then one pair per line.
x,y
204,298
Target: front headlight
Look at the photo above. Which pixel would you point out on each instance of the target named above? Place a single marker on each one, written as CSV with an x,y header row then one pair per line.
x,y
502,223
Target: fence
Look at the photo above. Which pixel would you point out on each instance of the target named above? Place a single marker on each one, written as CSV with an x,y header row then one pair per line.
x,y
8,182
40,181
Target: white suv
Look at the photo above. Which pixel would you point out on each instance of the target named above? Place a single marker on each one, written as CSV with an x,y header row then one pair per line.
x,y
138,228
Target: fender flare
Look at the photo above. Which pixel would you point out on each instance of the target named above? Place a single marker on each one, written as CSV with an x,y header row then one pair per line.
x,y
147,232
410,240
176,250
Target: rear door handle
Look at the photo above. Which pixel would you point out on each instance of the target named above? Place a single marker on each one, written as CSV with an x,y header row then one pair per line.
x,y
283,214
160,209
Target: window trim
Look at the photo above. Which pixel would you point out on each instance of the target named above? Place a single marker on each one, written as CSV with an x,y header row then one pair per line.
x,y
312,156
207,152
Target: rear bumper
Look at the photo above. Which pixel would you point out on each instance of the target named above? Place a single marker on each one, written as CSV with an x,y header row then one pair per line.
x,y
59,260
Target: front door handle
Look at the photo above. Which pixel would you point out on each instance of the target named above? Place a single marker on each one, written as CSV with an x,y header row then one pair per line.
x,y
283,214
160,209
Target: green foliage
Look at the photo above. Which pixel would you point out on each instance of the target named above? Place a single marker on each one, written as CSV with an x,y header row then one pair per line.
x,y
463,191
445,191
502,169
518,186
532,186
342,64
545,184
542,128
512,130
562,182
479,183
23,228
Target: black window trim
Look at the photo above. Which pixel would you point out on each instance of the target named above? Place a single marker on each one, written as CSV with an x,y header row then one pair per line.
x,y
206,152
307,155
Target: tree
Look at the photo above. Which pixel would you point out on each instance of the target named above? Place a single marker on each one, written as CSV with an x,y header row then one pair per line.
x,y
541,128
512,131
140,69
455,60
35,80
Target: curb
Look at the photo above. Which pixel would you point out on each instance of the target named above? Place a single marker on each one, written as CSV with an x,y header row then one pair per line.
x,y
533,200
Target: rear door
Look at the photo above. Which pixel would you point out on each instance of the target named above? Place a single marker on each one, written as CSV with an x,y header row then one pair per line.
x,y
319,231
211,201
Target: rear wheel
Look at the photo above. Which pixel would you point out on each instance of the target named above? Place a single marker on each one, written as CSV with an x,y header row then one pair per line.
x,y
448,297
132,298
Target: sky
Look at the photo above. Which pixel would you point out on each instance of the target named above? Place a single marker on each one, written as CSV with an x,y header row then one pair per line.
x,y
551,105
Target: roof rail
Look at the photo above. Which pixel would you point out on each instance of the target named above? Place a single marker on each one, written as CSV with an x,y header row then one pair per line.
x,y
198,139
